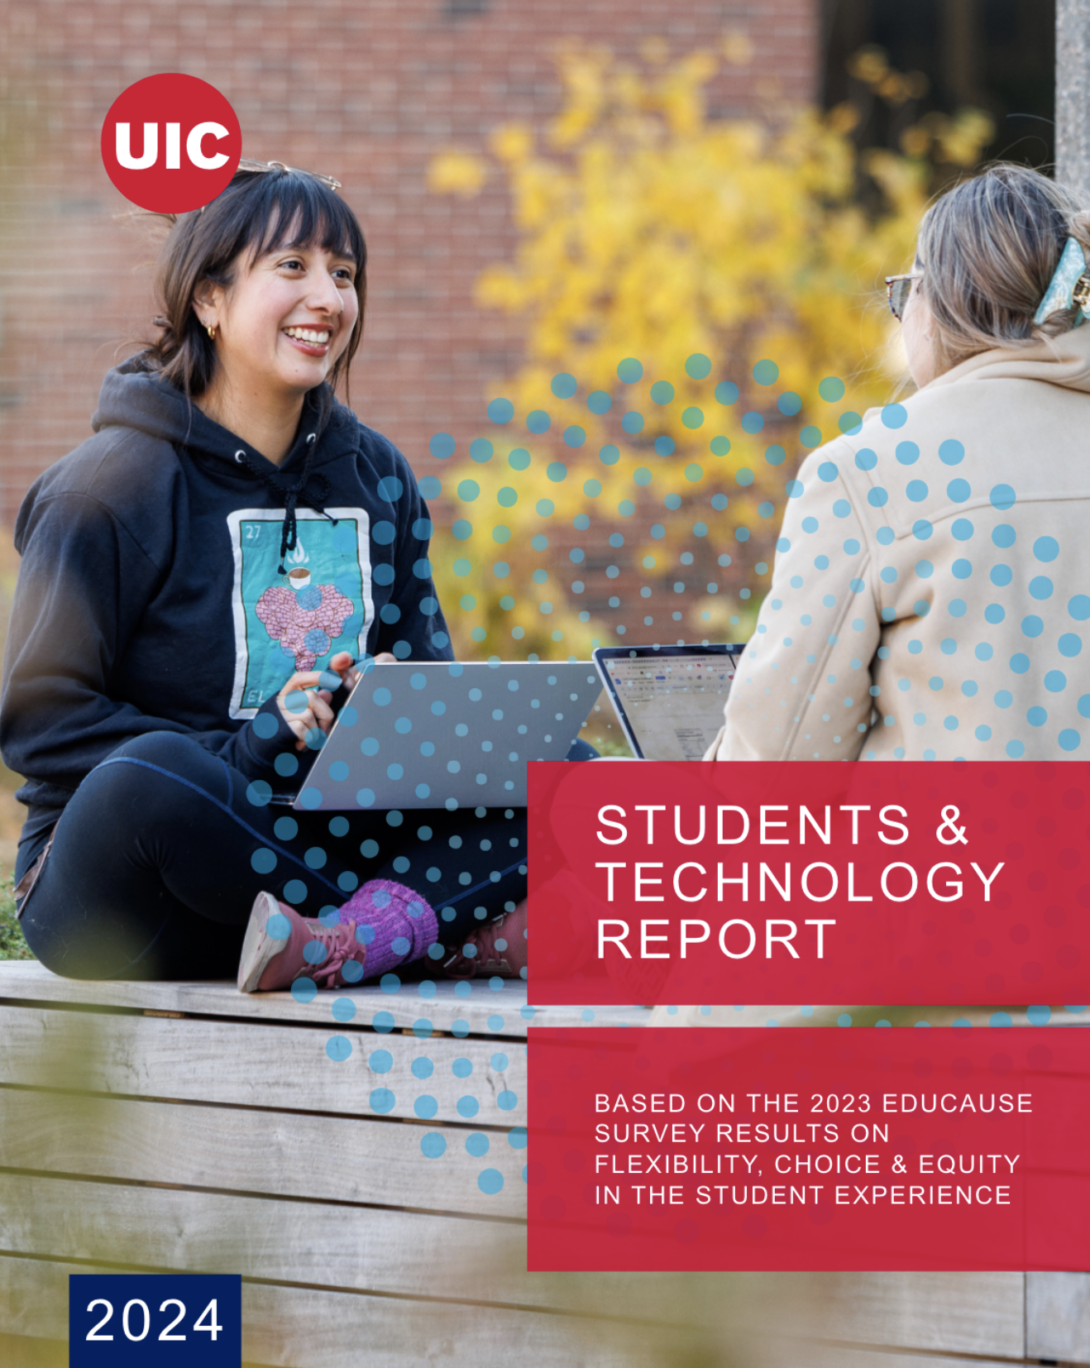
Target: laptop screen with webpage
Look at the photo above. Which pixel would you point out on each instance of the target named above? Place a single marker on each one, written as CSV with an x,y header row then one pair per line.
x,y
670,699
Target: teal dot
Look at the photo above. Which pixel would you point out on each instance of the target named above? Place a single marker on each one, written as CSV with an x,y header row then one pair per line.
x,y
850,422
501,410
574,436
609,455
693,417
468,1107
1055,681
1069,739
538,421
1004,535
442,446
382,1101
599,402
1039,1016
698,366
517,1137
563,385
433,1145
1046,548
500,1061
304,990
662,392
951,452
1079,607
383,1022
810,437
894,416
962,529
259,793
789,403
1040,587
344,1009
278,927
907,453
506,1100
629,371
1002,497
632,422
844,1019
557,471
490,1182
1000,1019
916,490
1069,644
958,490
380,1061
766,372
1015,749
726,393
338,1048
481,450
831,389
426,1107
477,1145
422,1066
752,422
263,861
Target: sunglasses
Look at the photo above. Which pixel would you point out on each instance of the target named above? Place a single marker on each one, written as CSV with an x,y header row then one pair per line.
x,y
245,164
898,289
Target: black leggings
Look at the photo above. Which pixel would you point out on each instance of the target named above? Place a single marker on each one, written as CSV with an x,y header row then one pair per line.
x,y
160,853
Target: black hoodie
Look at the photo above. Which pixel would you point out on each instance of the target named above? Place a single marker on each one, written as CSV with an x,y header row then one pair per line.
x,y
173,579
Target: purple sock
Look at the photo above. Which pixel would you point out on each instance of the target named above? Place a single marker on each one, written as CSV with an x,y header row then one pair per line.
x,y
394,922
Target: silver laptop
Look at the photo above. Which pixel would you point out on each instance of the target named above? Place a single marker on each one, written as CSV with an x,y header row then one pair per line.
x,y
448,735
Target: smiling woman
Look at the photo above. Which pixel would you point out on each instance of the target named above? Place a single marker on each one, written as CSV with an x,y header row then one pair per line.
x,y
200,580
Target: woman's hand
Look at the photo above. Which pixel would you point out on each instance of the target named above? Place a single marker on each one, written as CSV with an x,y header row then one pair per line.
x,y
304,705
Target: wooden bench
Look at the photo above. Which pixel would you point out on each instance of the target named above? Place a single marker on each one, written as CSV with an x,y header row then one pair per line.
x,y
191,1127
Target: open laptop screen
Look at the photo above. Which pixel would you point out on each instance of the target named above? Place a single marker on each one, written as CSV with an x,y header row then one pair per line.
x,y
669,699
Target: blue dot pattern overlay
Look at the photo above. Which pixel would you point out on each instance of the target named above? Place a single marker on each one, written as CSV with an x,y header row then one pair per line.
x,y
898,599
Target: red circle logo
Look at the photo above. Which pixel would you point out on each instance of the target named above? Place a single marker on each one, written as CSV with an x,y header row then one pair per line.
x,y
171,143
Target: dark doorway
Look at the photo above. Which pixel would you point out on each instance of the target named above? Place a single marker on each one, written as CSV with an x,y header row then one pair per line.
x,y
993,55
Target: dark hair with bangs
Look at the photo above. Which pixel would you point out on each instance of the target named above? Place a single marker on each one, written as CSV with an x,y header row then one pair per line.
x,y
245,220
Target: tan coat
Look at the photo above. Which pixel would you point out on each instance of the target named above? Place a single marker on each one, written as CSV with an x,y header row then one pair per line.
x,y
934,599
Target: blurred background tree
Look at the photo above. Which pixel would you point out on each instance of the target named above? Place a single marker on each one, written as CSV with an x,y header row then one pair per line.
x,y
703,304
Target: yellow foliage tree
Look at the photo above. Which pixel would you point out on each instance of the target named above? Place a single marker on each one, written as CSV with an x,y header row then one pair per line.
x,y
703,305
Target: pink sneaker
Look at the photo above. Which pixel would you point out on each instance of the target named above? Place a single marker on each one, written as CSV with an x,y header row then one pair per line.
x,y
281,946
498,948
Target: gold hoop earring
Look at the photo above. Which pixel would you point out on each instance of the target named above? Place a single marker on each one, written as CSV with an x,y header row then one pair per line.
x,y
212,332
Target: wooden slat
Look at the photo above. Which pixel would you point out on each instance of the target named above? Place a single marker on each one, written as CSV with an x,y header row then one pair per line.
x,y
333,1247
839,1356
253,1151
288,1327
370,1250
860,1016
970,1313
27,980
252,1064
1058,1316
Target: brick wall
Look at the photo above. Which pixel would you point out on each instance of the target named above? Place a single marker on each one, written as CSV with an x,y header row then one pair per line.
x,y
367,90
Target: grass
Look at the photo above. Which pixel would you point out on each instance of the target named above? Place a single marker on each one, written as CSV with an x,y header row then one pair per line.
x,y
12,944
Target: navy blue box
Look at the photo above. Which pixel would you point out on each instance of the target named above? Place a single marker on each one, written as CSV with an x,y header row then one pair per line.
x,y
154,1320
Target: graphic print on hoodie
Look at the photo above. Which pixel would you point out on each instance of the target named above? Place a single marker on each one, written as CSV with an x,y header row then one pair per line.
x,y
299,623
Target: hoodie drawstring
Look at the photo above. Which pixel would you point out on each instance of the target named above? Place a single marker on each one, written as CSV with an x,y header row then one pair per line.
x,y
291,494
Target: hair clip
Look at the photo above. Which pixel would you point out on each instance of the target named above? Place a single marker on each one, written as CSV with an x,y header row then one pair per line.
x,y
1069,286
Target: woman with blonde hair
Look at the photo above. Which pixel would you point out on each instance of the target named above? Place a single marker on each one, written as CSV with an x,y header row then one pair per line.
x,y
931,590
